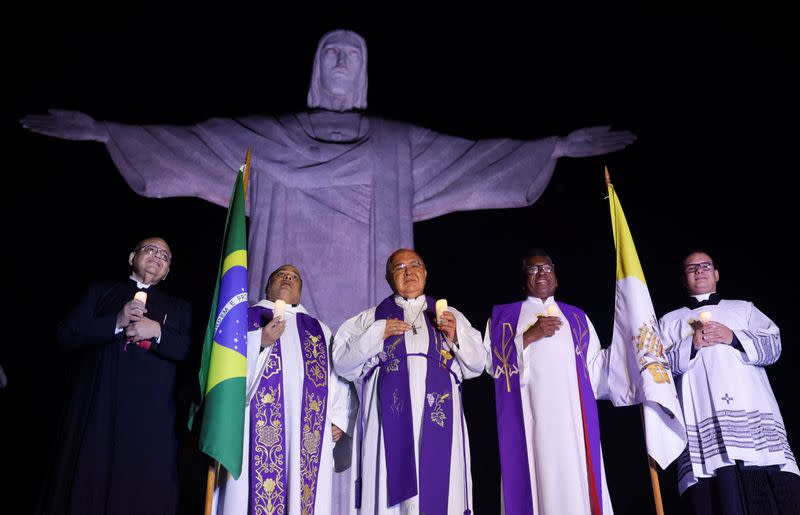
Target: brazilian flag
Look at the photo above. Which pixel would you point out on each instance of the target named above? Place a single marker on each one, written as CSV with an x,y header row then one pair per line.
x,y
224,363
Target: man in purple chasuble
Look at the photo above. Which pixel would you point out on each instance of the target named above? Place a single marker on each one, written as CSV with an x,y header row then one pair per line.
x,y
297,410
548,367
333,184
407,363
118,448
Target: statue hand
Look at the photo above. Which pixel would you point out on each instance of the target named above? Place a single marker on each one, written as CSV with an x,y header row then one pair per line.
x,y
592,141
71,125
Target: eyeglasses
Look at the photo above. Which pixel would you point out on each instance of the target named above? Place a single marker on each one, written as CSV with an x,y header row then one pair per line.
x,y
535,269
695,267
152,250
411,265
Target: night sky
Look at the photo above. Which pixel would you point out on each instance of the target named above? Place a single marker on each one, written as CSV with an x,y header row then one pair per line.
x,y
710,96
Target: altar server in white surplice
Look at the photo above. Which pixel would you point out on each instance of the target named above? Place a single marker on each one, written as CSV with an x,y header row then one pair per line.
x,y
548,368
407,362
738,458
297,409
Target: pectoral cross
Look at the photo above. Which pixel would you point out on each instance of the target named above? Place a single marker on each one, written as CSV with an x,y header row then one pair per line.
x,y
414,329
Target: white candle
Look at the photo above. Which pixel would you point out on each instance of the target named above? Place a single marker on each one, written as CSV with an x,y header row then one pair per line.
x,y
280,308
705,316
441,307
141,295
552,310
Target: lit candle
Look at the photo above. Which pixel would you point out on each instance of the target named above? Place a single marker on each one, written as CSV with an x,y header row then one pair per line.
x,y
141,295
280,308
552,310
705,316
441,307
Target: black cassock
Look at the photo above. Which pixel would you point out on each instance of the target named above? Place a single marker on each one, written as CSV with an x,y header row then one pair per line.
x,y
118,440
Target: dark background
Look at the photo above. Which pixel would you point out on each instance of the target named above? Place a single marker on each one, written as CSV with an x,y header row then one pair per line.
x,y
711,97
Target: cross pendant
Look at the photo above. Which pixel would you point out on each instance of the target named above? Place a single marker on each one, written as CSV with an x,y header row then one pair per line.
x,y
414,329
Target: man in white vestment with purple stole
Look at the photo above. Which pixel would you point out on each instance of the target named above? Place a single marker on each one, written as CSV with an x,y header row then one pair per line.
x,y
407,362
738,459
548,368
297,409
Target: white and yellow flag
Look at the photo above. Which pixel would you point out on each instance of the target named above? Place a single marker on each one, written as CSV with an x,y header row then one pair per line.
x,y
645,377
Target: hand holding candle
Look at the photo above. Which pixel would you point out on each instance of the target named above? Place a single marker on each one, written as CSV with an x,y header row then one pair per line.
x,y
280,309
141,295
441,307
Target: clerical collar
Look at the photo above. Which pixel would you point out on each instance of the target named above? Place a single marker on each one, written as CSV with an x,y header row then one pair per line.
x,y
411,301
704,299
295,306
537,300
141,286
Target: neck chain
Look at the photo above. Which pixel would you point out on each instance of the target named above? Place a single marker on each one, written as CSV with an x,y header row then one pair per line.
x,y
414,322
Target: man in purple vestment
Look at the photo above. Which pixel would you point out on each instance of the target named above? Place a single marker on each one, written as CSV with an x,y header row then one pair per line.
x,y
331,185
407,359
297,410
548,368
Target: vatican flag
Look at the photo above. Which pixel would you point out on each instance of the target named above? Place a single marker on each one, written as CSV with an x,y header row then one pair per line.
x,y
645,377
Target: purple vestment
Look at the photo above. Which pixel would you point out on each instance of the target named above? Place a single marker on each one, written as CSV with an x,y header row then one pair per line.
x,y
268,429
517,496
396,419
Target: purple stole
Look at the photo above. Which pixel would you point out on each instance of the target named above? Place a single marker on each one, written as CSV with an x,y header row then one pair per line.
x,y
437,419
268,429
517,495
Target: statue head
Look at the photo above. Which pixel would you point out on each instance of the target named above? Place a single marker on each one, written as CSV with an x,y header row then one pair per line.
x,y
339,75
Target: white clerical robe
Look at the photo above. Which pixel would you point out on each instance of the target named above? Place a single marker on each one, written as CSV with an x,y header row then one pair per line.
x,y
728,404
355,353
551,410
233,494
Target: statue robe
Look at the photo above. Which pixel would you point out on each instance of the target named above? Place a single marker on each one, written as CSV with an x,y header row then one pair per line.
x,y
335,209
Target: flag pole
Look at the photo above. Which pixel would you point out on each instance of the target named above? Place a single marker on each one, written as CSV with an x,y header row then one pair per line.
x,y
211,484
651,463
234,377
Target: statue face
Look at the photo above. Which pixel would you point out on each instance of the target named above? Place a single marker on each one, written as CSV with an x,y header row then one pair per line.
x,y
341,62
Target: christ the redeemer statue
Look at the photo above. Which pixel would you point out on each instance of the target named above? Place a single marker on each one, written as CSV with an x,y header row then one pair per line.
x,y
333,190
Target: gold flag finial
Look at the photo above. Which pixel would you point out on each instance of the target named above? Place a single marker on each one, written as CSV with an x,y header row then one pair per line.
x,y
246,171
608,177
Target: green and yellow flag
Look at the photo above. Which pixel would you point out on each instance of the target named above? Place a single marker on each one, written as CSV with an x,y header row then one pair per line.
x,y
223,367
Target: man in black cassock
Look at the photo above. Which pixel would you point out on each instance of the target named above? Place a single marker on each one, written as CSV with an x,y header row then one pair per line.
x,y
118,450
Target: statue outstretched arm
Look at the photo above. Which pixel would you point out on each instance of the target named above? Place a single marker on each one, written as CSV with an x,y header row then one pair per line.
x,y
71,125
592,141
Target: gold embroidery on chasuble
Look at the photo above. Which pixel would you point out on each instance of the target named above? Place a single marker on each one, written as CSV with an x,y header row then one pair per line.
x,y
314,408
316,359
269,469
313,421
579,332
507,345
